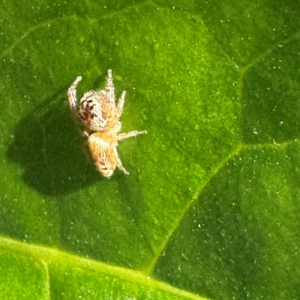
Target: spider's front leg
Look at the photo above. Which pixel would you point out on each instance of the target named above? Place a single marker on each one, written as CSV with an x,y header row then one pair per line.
x,y
110,94
121,104
74,107
72,93
110,89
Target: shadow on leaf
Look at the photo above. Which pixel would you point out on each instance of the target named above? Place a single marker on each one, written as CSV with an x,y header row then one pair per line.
x,y
48,147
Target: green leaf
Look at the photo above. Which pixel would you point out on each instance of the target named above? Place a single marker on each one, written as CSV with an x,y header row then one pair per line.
x,y
211,206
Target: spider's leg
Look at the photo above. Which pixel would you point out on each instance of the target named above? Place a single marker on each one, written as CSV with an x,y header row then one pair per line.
x,y
86,152
72,93
123,136
121,103
118,162
73,105
110,89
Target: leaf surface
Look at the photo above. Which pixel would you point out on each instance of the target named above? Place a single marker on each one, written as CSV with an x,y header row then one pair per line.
x,y
211,206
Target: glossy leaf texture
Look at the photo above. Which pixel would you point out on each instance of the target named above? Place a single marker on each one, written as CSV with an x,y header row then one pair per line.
x,y
211,206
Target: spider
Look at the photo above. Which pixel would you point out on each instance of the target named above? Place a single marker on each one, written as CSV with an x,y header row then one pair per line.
x,y
99,116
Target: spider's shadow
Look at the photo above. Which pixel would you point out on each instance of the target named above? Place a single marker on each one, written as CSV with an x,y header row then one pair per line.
x,y
48,147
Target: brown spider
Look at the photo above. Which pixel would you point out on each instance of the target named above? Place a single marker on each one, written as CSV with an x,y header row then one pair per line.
x,y
99,116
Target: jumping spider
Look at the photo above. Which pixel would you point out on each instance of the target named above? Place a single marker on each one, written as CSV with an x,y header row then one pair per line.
x,y
98,115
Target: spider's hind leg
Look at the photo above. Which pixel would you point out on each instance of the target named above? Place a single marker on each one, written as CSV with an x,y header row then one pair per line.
x,y
119,163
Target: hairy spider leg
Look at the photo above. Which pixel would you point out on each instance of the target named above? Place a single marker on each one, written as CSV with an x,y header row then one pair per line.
x,y
123,136
121,104
110,90
72,93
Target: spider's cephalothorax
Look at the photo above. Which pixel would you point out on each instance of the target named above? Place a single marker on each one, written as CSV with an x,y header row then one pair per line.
x,y
99,115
